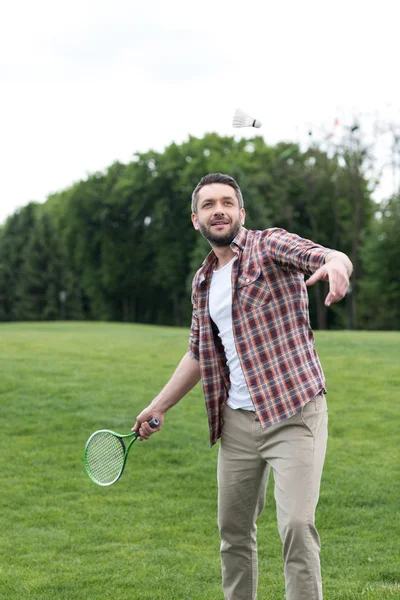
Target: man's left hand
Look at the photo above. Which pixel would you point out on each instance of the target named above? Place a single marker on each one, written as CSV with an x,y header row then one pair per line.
x,y
337,273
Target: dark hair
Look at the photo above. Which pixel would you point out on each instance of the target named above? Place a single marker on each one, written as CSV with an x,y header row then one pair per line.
x,y
216,178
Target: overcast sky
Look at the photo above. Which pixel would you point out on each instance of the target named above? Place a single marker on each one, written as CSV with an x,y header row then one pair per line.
x,y
84,83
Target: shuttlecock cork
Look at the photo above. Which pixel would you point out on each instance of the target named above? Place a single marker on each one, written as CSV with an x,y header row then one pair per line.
x,y
242,119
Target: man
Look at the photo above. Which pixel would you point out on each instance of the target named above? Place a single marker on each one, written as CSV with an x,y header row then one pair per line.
x,y
252,346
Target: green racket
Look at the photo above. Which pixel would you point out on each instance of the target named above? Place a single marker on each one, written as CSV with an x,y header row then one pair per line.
x,y
105,454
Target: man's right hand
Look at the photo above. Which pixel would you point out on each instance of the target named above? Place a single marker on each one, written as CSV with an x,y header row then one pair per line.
x,y
142,422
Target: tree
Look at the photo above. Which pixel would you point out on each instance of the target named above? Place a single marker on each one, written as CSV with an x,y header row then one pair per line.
x,y
380,257
41,273
121,245
14,237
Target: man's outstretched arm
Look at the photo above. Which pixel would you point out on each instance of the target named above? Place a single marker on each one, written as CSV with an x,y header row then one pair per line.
x,y
185,377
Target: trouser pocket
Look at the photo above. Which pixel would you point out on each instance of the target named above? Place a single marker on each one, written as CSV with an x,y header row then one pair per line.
x,y
315,413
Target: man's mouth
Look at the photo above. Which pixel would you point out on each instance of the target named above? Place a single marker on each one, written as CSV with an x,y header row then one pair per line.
x,y
219,223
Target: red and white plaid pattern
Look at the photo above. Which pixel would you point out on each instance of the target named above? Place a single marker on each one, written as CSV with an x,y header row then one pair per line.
x,y
271,326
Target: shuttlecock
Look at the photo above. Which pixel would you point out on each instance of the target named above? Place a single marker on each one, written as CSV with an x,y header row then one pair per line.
x,y
242,119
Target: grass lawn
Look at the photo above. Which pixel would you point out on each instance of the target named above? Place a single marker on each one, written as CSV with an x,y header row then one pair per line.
x,y
153,535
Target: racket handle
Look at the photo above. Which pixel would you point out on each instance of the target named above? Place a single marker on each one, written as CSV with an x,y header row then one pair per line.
x,y
154,422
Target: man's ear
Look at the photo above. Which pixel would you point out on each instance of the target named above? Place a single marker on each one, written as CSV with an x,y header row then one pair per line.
x,y
195,221
242,216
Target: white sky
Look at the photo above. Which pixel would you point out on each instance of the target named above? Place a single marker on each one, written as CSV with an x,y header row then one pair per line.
x,y
84,83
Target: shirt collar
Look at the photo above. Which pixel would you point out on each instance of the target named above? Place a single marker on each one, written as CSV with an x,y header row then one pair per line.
x,y
240,239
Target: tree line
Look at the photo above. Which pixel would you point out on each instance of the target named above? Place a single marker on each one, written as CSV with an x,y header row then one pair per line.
x,y
119,245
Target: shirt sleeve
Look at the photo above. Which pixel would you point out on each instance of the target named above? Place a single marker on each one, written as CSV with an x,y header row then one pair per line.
x,y
194,331
293,252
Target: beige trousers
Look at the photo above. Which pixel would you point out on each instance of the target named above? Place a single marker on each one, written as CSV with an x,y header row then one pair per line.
x,y
295,450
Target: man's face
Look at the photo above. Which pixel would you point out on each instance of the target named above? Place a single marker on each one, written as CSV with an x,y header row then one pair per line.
x,y
218,216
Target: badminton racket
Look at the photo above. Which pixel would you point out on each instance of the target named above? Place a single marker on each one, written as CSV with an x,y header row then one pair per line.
x,y
106,453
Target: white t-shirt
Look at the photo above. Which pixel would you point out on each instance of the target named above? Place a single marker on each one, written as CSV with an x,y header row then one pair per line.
x,y
220,306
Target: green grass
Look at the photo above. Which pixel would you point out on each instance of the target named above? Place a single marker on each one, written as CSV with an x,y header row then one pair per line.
x,y
153,535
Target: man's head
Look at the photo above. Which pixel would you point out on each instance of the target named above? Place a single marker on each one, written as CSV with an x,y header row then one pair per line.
x,y
217,208
215,178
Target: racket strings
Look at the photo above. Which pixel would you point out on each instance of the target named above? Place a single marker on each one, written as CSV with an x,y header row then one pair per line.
x,y
105,457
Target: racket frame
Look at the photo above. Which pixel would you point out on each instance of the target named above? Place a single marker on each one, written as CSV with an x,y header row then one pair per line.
x,y
126,450
153,423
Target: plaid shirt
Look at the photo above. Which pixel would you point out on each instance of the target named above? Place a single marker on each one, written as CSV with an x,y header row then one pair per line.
x,y
271,326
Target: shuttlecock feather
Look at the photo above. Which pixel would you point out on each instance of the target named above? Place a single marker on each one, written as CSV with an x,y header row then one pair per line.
x,y
242,119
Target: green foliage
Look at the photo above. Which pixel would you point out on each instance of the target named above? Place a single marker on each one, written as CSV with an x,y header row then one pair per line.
x,y
380,286
121,245
153,535
14,237
41,273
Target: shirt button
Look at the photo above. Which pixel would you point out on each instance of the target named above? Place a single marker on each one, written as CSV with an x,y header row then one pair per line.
x,y
247,280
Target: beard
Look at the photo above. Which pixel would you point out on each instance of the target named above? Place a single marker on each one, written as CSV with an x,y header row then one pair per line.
x,y
223,239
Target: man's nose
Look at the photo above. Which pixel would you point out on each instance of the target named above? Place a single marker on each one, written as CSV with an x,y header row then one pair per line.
x,y
219,209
